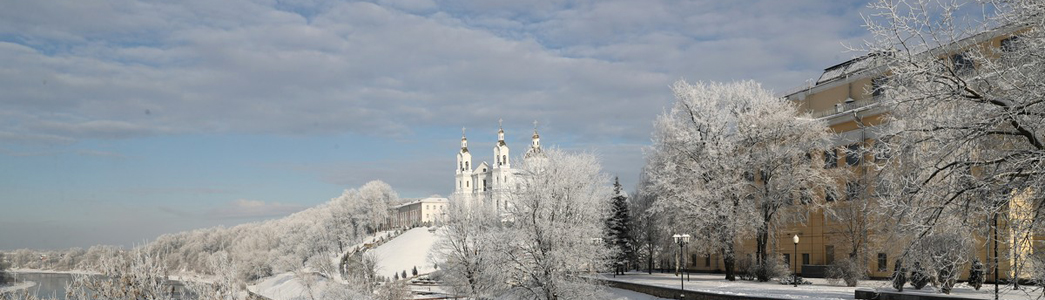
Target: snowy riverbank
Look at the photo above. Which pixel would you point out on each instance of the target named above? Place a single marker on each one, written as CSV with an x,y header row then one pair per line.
x,y
17,286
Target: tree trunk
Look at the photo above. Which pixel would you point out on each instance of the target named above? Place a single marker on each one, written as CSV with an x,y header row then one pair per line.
x,y
650,258
762,272
729,260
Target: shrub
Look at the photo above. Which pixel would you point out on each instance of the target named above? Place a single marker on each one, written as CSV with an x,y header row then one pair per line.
x,y
918,276
946,276
848,270
414,272
899,275
976,277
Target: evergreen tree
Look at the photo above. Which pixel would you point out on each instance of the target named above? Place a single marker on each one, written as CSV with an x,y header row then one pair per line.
x,y
618,229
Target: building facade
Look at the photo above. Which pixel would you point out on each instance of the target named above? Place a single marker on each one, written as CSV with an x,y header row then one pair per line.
x,y
848,98
419,212
490,185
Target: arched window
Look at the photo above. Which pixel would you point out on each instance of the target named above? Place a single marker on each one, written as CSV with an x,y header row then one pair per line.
x,y
504,158
467,166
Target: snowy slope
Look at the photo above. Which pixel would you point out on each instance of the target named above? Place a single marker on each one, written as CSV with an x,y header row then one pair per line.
x,y
285,286
410,249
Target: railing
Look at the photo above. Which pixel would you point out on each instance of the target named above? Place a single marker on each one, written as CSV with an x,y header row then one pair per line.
x,y
846,107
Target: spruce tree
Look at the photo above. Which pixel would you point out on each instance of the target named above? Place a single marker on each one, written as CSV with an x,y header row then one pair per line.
x,y
618,229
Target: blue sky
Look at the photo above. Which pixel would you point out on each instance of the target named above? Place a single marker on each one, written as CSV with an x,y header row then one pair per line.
x,y
122,120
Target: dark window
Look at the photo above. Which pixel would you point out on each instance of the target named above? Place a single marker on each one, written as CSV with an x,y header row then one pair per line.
x,y
852,190
1010,44
853,154
829,254
803,196
749,176
484,182
882,259
805,259
707,260
504,158
765,175
881,151
787,260
962,63
877,86
829,196
830,159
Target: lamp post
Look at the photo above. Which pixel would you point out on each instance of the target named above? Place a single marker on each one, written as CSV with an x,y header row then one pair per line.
x,y
682,240
794,275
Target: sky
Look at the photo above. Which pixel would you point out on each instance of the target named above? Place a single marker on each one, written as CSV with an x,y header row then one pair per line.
x,y
122,120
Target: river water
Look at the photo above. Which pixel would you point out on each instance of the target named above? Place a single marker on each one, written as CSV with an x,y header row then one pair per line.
x,y
51,285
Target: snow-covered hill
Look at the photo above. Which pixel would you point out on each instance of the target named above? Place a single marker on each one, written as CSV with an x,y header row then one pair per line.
x,y
411,249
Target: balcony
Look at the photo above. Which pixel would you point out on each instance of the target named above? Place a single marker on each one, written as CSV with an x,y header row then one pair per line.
x,y
846,107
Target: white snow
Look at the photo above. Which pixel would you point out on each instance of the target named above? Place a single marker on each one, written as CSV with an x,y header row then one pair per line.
x,y
820,289
285,286
410,249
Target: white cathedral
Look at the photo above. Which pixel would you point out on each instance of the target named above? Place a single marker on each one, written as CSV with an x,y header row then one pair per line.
x,y
491,185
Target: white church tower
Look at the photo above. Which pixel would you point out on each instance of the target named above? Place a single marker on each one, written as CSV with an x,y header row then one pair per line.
x,y
463,186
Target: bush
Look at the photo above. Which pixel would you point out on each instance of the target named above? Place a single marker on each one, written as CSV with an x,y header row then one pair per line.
x,y
773,267
899,275
918,276
4,277
414,272
976,276
848,270
947,277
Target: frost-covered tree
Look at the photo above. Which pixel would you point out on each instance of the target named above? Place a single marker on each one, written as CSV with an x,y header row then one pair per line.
x,y
967,115
618,230
553,230
467,247
4,264
731,161
649,233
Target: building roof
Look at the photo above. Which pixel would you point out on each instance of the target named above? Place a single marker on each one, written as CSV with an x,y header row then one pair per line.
x,y
424,200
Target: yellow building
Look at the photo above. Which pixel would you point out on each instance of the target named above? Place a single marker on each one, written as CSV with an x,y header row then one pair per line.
x,y
847,98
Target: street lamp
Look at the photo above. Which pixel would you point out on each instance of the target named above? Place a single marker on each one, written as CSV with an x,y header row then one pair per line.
x,y
682,240
794,275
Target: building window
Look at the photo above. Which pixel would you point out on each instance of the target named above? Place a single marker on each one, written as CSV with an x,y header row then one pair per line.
x,y
830,159
504,158
829,254
749,176
852,155
962,63
1010,44
466,166
852,190
787,260
692,260
878,86
882,259
707,260
805,259
484,183
829,196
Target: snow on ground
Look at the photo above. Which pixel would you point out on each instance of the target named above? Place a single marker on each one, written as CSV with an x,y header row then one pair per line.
x,y
622,294
285,286
820,289
17,286
410,249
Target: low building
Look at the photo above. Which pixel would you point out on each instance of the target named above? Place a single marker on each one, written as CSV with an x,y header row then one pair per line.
x,y
417,212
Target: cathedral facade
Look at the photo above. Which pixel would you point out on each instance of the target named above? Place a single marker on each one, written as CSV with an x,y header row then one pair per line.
x,y
490,185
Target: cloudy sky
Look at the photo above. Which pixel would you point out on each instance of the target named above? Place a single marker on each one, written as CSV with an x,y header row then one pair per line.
x,y
121,120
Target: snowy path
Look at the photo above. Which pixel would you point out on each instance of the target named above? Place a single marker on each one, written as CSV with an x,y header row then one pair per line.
x,y
820,289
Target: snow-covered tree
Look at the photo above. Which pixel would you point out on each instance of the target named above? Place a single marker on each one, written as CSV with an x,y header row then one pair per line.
x,y
554,230
618,230
729,157
468,249
649,232
4,277
966,132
